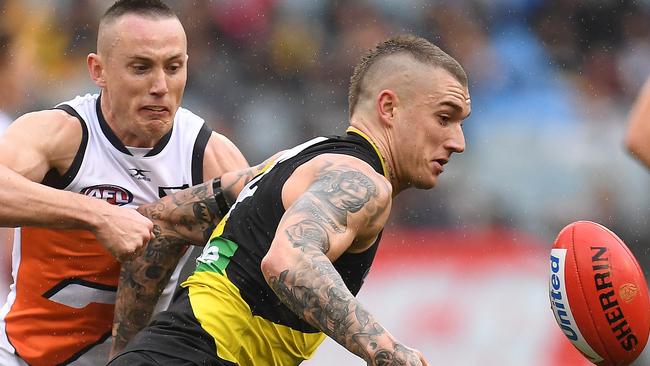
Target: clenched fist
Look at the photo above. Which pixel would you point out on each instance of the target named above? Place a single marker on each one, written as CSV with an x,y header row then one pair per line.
x,y
123,231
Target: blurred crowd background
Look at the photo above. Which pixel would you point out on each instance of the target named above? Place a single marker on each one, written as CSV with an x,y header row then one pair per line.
x,y
551,82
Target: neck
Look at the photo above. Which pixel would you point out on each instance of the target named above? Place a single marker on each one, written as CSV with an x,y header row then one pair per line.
x,y
380,142
126,132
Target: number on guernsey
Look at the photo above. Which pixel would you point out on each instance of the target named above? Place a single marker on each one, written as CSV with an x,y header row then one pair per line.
x,y
210,254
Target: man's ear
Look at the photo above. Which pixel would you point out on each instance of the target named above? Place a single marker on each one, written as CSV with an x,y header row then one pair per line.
x,y
387,105
96,69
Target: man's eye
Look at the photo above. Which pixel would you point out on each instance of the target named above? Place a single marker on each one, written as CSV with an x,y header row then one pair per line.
x,y
140,68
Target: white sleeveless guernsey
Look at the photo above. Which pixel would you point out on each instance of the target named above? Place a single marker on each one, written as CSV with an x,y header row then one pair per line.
x,y
60,308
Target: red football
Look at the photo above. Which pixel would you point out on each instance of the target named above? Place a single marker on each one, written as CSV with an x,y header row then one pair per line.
x,y
599,294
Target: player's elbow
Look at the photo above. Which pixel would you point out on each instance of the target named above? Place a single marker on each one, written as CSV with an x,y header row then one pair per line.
x,y
638,147
633,143
272,266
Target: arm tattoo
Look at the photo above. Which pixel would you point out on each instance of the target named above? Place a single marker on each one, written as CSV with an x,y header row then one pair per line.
x,y
185,217
345,191
399,355
180,219
308,233
337,193
316,292
313,288
141,283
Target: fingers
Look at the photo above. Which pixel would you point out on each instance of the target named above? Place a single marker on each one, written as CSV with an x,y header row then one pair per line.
x,y
125,257
416,357
136,248
424,362
145,240
128,234
149,235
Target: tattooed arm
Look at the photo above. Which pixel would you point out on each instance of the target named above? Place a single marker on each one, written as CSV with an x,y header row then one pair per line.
x,y
334,205
186,217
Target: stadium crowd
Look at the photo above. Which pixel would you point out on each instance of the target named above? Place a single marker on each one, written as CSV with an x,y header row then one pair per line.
x,y
551,81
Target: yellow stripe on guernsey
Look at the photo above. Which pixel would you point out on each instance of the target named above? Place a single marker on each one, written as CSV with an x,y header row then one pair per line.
x,y
384,167
240,336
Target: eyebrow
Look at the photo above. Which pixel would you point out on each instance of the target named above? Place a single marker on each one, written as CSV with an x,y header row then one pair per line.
x,y
148,59
457,108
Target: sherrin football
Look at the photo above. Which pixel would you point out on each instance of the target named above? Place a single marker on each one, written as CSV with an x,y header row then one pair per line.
x,y
599,294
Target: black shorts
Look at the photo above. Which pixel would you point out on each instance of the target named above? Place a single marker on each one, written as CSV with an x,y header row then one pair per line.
x,y
148,358
174,337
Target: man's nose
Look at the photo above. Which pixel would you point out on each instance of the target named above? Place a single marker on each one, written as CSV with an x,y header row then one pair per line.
x,y
456,142
159,83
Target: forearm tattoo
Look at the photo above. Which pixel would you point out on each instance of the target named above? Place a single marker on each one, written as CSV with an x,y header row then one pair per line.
x,y
313,288
141,283
185,217
316,292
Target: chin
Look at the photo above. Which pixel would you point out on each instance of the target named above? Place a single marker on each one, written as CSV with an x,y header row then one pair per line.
x,y
158,125
425,185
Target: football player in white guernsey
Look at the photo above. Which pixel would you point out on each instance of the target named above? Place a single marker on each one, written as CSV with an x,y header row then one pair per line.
x,y
72,176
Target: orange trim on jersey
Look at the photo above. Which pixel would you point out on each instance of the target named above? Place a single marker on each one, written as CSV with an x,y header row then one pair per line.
x,y
57,263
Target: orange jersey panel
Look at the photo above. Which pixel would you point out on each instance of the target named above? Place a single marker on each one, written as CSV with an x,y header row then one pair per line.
x,y
65,293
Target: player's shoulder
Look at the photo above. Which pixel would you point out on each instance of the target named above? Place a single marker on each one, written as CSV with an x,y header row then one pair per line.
x,y
222,145
190,127
222,155
185,115
45,122
350,169
81,99
44,134
64,115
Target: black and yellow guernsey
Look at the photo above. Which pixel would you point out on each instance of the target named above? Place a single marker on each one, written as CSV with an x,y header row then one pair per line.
x,y
228,294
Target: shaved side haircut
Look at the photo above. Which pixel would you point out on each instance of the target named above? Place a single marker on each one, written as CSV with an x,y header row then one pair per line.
x,y
154,8
419,48
144,8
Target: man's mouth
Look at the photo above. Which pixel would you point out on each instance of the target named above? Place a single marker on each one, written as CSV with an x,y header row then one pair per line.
x,y
155,108
439,164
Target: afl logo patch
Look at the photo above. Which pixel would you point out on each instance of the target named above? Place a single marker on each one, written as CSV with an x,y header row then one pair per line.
x,y
628,292
114,195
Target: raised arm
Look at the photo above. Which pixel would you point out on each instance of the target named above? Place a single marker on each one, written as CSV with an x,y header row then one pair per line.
x,y
33,145
637,139
336,204
186,217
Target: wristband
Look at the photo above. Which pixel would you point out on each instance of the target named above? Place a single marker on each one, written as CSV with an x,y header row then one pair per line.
x,y
219,198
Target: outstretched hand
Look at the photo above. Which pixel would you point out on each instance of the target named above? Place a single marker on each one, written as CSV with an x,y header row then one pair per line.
x,y
123,231
400,355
